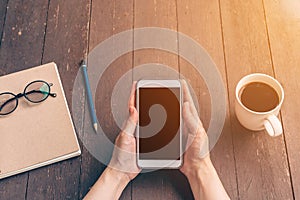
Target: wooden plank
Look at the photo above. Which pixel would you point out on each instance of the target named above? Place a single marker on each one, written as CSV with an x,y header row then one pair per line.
x,y
67,22
163,184
261,161
108,18
3,9
14,187
23,35
66,39
21,48
283,24
201,21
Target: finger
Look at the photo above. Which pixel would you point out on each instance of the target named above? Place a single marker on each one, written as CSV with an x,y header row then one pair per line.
x,y
189,119
186,117
188,98
186,92
131,102
194,112
131,122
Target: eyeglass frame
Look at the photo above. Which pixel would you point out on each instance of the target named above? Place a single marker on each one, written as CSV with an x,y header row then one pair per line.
x,y
20,95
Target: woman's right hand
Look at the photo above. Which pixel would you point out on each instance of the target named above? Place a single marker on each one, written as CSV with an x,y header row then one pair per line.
x,y
197,166
197,148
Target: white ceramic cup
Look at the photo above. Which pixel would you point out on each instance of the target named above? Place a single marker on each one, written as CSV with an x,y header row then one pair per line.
x,y
257,121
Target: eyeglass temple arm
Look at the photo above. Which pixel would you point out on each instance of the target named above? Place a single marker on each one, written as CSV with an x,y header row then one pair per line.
x,y
39,91
52,94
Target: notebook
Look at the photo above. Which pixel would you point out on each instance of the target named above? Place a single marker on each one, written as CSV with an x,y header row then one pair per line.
x,y
35,135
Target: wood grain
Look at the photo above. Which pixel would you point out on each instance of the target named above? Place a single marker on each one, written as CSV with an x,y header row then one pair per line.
x,y
65,25
261,161
242,37
163,184
201,21
21,48
108,18
283,24
3,9
100,28
23,35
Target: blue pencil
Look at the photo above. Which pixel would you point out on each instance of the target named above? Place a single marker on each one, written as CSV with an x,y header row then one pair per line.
x,y
89,95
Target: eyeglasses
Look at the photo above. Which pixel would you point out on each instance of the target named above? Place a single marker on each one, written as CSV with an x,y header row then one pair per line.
x,y
35,92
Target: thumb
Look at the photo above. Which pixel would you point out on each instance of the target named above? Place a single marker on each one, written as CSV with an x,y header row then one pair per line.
x,y
131,122
189,119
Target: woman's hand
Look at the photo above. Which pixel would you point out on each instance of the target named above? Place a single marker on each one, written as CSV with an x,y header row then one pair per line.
x,y
197,166
197,148
124,155
122,167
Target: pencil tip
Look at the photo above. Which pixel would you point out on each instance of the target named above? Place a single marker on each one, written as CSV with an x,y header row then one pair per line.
x,y
95,127
83,62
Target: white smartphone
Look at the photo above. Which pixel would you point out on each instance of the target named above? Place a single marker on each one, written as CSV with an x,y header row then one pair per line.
x,y
159,130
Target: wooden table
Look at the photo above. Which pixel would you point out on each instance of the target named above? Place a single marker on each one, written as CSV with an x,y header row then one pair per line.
x,y
242,37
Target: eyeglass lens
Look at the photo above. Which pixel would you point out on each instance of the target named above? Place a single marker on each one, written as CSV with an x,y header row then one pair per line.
x,y
8,102
37,91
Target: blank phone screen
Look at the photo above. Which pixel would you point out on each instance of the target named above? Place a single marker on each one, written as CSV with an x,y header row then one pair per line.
x,y
159,123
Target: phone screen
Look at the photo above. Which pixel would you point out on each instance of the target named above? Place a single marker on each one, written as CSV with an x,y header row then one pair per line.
x,y
159,123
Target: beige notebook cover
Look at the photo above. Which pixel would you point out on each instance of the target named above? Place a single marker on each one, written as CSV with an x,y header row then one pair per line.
x,y
35,135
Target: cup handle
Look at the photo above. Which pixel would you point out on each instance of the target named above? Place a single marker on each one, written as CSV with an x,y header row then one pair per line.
x,y
273,126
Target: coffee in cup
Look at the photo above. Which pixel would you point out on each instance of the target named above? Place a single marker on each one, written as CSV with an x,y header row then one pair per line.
x,y
258,100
